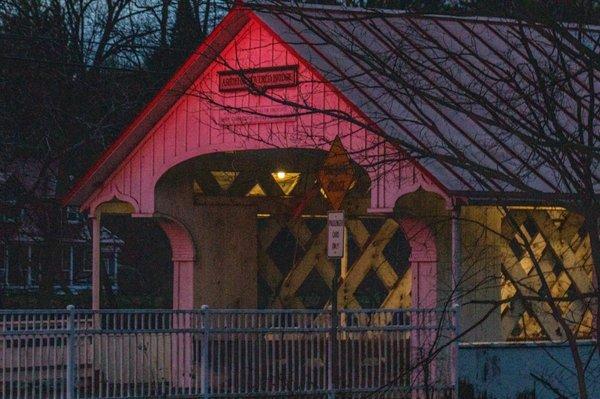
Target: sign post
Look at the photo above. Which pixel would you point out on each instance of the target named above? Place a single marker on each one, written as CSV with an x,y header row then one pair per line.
x,y
335,252
335,177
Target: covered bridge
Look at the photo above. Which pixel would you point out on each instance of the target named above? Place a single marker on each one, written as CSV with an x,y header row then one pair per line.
x,y
225,158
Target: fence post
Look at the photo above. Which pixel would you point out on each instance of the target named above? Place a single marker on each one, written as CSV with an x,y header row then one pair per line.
x,y
204,358
330,394
455,350
333,358
456,276
71,359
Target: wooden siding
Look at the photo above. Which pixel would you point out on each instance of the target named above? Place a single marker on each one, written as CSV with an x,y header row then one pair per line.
x,y
195,126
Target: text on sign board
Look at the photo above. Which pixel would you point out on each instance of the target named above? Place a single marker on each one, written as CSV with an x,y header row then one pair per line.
x,y
260,78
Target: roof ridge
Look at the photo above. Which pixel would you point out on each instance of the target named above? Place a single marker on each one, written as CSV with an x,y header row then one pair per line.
x,y
380,12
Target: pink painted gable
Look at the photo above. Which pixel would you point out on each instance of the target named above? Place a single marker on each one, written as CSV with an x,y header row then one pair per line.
x,y
203,120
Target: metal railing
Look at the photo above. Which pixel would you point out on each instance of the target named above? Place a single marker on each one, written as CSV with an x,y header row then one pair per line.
x,y
208,353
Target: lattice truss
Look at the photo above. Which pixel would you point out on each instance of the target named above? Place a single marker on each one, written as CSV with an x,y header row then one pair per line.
x,y
562,250
294,271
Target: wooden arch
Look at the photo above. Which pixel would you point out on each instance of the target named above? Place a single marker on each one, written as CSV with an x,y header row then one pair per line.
x,y
183,255
423,262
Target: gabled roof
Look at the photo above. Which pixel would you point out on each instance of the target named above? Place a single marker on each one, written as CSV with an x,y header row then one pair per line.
x,y
319,35
431,56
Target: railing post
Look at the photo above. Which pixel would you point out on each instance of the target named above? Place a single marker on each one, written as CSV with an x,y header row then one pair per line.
x,y
71,359
330,394
333,359
455,351
456,263
204,358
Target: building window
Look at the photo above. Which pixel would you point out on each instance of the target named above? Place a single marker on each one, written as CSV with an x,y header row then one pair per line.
x,y
82,264
17,267
73,215
3,264
20,264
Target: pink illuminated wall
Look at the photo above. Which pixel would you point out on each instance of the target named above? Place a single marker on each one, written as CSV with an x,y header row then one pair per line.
x,y
182,248
201,122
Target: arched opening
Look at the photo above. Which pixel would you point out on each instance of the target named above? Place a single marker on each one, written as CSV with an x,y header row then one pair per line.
x,y
142,277
258,223
156,259
425,221
276,181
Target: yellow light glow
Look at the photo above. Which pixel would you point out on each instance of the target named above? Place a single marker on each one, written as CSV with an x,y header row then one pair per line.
x,y
286,181
256,191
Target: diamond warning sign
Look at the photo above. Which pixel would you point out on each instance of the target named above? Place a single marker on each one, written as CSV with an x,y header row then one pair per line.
x,y
336,175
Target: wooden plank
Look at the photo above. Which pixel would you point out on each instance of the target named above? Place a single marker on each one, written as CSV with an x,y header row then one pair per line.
x,y
300,231
400,294
536,310
387,274
518,276
315,255
369,257
268,232
359,231
269,271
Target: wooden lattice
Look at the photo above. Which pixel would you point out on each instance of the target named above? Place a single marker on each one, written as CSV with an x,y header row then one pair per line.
x,y
562,249
294,271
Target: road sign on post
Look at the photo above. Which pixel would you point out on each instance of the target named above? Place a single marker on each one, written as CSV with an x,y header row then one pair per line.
x,y
335,235
335,252
335,177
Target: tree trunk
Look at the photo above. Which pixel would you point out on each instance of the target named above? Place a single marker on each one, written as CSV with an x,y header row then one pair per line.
x,y
591,226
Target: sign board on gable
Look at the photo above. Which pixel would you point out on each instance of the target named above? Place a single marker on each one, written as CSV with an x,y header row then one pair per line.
x,y
335,234
260,78
336,174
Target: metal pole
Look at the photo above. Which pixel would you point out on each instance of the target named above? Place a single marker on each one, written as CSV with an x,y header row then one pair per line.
x,y
456,255
334,328
96,232
204,358
71,361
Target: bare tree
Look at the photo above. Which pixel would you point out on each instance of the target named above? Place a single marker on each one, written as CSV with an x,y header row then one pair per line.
x,y
508,108
71,76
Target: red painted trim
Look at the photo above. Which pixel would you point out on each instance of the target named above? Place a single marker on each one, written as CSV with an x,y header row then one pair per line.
x,y
354,107
81,182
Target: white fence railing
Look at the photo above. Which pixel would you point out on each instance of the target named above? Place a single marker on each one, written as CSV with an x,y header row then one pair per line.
x,y
210,353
